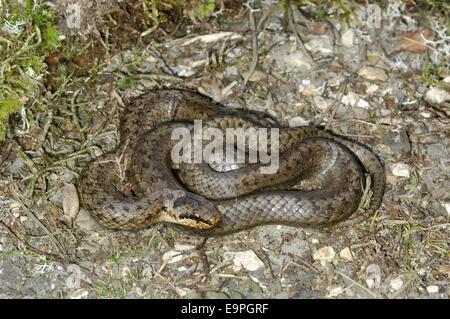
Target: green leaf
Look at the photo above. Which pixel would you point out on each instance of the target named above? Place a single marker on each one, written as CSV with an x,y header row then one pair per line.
x,y
206,9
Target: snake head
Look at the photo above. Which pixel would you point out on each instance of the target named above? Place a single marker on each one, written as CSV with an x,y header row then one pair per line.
x,y
191,210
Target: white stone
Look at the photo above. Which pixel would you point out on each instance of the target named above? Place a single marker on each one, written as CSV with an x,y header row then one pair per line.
x,y
400,169
351,99
297,121
347,38
447,208
245,259
363,104
432,289
347,254
322,103
321,44
437,95
324,254
397,283
372,88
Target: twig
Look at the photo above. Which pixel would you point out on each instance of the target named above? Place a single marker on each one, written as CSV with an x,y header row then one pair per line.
x,y
297,34
357,284
255,27
15,194
49,256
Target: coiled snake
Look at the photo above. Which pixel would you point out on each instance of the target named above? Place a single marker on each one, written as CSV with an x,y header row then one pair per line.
x,y
319,181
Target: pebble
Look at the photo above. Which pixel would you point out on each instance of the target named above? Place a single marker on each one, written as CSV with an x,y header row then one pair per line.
x,y
400,169
396,283
320,44
447,208
347,254
322,103
71,203
297,121
347,38
324,254
437,95
245,259
363,104
78,294
432,289
372,73
372,88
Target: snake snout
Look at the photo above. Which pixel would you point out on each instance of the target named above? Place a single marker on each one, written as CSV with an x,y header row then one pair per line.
x,y
195,211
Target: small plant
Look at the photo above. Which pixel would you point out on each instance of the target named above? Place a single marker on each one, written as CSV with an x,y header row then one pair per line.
x,y
27,36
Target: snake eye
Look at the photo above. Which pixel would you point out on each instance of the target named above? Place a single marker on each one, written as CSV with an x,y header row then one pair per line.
x,y
196,217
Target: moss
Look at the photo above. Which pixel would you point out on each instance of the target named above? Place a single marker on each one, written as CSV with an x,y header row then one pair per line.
x,y
29,35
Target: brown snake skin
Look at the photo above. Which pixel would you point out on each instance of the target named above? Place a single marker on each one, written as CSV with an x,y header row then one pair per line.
x,y
319,181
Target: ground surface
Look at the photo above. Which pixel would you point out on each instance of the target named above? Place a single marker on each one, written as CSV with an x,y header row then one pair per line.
x,y
380,84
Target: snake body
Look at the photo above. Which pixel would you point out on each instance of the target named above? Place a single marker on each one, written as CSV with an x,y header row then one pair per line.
x,y
319,181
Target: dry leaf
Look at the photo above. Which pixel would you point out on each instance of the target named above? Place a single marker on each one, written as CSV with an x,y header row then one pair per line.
x,y
413,41
318,27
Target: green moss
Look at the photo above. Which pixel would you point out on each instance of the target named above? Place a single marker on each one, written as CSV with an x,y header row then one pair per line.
x,y
29,36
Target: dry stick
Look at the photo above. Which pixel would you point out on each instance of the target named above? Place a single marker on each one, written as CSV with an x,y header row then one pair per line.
x,y
254,47
204,258
297,34
15,194
357,284
335,103
47,255
253,26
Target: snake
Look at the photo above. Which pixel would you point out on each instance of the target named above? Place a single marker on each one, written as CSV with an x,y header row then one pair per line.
x,y
319,181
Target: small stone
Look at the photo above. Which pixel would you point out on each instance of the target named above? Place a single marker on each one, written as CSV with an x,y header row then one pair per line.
x,y
372,73
298,121
78,294
15,208
71,203
347,38
324,254
322,103
351,99
363,104
347,254
334,291
437,95
245,259
400,169
397,283
432,289
372,88
447,208
320,44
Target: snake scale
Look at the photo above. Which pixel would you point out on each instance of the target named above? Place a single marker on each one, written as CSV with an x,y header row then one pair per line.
x,y
319,181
